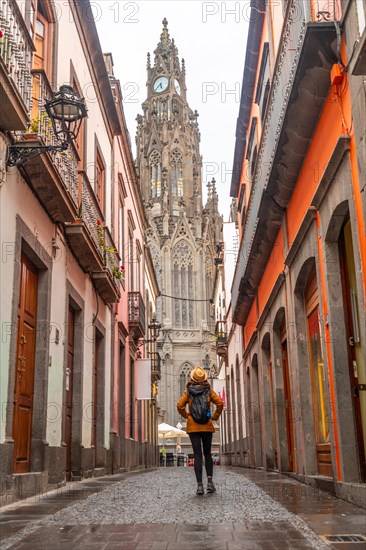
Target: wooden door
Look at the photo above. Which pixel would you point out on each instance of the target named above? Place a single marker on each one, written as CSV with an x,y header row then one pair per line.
x,y
356,366
288,402
273,412
318,381
97,341
24,366
69,374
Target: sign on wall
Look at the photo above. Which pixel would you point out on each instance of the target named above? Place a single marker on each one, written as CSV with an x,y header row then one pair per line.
x,y
219,388
142,378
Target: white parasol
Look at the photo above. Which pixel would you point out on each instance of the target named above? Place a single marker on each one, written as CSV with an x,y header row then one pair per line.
x,y
166,431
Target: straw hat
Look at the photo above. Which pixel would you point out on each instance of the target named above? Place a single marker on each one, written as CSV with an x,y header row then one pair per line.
x,y
198,374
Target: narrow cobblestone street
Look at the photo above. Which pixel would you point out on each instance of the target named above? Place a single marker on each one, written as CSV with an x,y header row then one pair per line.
x,y
159,510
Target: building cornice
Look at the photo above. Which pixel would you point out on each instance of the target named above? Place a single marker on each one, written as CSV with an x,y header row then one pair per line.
x,y
248,85
96,63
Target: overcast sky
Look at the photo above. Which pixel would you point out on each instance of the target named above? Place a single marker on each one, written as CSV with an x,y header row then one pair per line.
x,y
211,37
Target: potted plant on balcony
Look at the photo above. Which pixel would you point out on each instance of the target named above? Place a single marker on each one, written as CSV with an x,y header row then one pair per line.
x,y
35,125
117,271
79,214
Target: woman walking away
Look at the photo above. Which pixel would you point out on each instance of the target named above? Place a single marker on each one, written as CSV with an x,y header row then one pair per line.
x,y
199,395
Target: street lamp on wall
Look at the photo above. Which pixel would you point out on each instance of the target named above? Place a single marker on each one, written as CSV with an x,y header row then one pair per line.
x,y
154,327
66,112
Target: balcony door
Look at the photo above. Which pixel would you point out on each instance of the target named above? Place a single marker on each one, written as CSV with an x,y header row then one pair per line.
x,y
24,367
42,57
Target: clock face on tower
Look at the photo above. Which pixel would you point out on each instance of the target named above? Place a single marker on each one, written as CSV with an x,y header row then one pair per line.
x,y
177,86
160,84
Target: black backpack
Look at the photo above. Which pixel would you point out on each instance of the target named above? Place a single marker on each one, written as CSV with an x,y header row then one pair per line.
x,y
200,404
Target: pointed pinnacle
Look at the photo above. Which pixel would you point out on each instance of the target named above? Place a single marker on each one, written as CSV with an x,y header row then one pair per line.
x,y
165,33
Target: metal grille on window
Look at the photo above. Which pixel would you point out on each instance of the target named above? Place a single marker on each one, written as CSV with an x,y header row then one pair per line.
x,y
155,174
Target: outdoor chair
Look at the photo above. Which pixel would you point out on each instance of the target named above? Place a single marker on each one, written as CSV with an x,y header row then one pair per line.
x,y
169,459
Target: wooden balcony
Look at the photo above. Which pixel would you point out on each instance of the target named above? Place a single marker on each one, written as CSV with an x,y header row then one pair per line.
x,y
136,315
300,87
93,246
53,176
155,366
16,49
221,339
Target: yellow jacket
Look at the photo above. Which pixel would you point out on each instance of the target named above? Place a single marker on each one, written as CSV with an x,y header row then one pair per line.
x,y
193,426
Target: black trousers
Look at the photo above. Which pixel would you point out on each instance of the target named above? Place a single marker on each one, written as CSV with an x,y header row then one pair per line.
x,y
199,440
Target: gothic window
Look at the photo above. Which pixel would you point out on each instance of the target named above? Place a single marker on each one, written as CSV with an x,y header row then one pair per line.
x,y
155,174
183,285
184,377
176,162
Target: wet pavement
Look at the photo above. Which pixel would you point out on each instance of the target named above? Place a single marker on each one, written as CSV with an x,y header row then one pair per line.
x,y
159,510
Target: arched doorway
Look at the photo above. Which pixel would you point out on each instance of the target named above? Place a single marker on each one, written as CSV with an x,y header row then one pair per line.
x,y
286,457
269,405
318,378
345,291
256,414
355,355
287,397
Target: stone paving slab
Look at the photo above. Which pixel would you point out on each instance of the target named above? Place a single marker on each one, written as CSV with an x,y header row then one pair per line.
x,y
160,511
130,536
324,513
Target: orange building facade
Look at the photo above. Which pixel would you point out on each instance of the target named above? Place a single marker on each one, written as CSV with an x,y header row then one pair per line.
x,y
300,280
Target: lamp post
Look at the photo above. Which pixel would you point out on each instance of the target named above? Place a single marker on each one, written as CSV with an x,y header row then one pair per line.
x,y
66,112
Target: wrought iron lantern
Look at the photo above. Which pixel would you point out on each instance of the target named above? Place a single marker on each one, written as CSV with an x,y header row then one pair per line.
x,y
66,112
155,327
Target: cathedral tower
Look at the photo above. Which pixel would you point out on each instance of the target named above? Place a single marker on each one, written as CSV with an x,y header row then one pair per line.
x,y
182,234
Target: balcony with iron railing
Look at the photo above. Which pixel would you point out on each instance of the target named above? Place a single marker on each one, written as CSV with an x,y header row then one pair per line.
x,y
52,175
16,49
136,315
221,339
155,365
300,86
93,246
